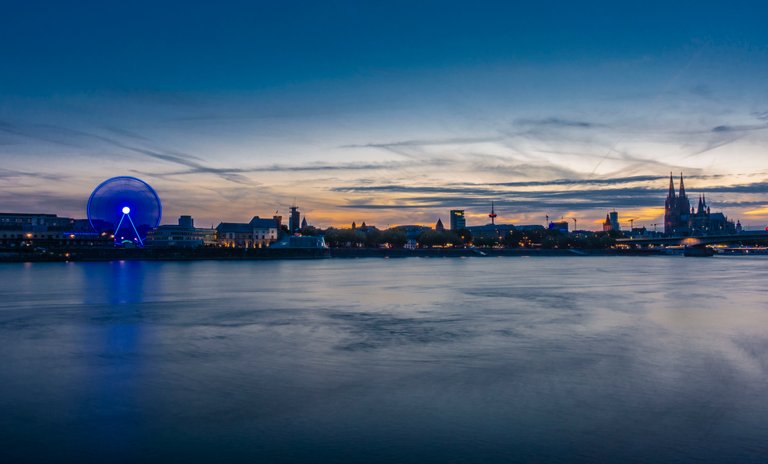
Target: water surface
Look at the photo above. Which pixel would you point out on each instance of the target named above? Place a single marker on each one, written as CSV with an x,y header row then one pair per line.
x,y
560,359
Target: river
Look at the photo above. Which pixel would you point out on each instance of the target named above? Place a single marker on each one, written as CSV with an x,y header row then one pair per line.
x,y
417,360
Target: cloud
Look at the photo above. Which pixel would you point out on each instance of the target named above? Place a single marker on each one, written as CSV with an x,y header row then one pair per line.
x,y
583,199
276,168
723,135
9,174
401,147
43,202
73,138
738,128
558,122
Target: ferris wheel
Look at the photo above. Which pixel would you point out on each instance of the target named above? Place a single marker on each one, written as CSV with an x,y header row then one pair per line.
x,y
125,207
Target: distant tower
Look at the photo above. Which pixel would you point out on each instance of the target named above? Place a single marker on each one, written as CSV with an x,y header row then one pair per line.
x,y
439,226
492,215
458,221
294,220
669,207
614,218
611,222
304,223
354,226
684,206
677,210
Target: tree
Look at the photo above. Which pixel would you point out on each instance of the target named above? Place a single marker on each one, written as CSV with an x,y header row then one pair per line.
x,y
340,238
465,235
395,238
433,238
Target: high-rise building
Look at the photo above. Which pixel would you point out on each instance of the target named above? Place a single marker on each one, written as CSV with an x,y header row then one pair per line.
x,y
294,220
458,221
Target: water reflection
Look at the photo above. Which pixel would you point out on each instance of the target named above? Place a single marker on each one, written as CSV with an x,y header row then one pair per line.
x,y
475,360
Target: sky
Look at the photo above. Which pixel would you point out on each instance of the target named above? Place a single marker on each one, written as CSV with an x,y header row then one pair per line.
x,y
387,112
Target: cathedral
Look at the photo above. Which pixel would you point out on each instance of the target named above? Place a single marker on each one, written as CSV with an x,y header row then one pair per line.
x,y
682,219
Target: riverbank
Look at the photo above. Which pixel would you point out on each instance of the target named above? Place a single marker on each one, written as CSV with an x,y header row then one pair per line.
x,y
235,254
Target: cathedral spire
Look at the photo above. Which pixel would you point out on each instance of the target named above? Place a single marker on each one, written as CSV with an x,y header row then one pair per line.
x,y
671,193
682,186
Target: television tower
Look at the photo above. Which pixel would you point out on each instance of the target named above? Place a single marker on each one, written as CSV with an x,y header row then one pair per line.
x,y
492,215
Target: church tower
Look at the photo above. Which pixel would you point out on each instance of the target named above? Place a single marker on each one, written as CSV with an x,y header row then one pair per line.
x,y
677,210
684,210
670,205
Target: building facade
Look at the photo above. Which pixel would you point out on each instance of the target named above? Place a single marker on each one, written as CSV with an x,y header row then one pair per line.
x,y
258,233
48,231
294,220
677,210
611,223
458,221
681,219
185,235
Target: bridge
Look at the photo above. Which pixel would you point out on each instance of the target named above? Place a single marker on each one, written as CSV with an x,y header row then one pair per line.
x,y
696,241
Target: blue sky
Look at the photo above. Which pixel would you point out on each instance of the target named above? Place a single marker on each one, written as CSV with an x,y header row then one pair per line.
x,y
390,113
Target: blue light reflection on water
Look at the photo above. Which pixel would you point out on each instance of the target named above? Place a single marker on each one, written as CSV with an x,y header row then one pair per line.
x,y
477,360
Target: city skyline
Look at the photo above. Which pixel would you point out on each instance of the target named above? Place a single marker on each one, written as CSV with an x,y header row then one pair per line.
x,y
362,113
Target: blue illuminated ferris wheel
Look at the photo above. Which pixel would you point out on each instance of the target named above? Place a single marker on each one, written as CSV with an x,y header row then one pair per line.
x,y
125,207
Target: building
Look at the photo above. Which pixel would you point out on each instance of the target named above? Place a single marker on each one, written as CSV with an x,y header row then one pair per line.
x,y
704,222
234,235
185,235
611,223
458,221
560,226
48,231
258,233
677,210
439,225
297,241
364,228
412,233
264,231
294,220
34,220
681,219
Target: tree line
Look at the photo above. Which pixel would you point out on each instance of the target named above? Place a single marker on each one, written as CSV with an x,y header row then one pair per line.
x,y
430,238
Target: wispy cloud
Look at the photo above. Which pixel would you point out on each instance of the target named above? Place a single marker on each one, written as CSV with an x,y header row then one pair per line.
x,y
428,142
722,129
12,174
558,122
